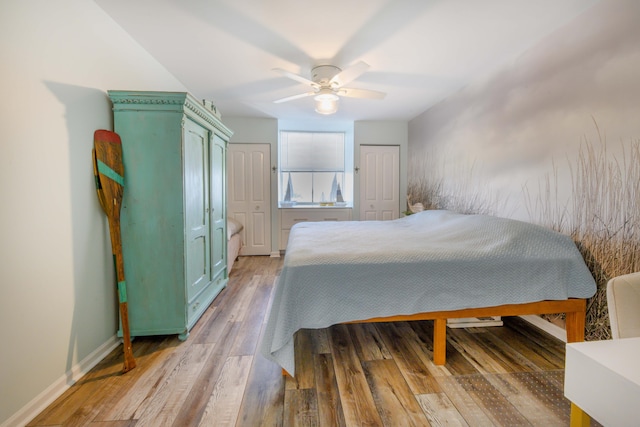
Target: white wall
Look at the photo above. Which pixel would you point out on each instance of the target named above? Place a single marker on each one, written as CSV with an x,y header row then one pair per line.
x,y
57,292
252,130
510,130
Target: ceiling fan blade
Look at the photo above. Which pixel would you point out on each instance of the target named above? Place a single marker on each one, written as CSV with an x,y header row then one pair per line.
x,y
361,93
291,98
296,77
350,74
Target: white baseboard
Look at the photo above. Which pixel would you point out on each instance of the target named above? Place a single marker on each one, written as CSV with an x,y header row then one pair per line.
x,y
546,326
55,390
275,254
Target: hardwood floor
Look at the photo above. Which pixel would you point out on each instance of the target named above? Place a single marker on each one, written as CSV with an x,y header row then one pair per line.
x,y
348,375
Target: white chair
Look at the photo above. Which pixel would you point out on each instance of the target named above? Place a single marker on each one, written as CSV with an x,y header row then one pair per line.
x,y
623,302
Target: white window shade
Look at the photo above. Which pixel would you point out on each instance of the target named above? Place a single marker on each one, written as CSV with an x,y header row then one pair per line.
x,y
313,152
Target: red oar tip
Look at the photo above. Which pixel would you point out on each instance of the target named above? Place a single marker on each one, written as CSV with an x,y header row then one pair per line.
x,y
106,136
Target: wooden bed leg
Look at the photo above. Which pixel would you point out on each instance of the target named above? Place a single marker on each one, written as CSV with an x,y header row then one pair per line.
x,y
574,324
440,341
578,417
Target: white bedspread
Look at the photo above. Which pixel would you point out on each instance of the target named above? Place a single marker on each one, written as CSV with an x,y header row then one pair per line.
x,y
336,272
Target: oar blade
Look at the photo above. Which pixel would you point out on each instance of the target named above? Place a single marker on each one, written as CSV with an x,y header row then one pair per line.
x,y
110,170
97,180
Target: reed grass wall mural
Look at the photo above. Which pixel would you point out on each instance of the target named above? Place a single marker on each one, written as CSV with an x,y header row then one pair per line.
x,y
601,214
551,137
603,219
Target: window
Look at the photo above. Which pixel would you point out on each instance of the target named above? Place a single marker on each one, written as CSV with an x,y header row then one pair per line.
x,y
312,167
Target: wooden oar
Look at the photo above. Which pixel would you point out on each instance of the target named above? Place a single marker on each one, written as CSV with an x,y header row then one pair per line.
x,y
109,173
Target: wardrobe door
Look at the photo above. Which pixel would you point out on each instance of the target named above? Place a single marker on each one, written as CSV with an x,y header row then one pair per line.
x,y
218,204
196,208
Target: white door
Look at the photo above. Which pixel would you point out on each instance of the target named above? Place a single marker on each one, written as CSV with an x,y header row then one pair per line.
x,y
379,182
249,194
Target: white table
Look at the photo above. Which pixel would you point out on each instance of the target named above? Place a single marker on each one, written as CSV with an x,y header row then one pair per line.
x,y
602,378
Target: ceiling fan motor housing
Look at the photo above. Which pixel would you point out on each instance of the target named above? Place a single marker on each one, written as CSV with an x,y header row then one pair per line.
x,y
322,74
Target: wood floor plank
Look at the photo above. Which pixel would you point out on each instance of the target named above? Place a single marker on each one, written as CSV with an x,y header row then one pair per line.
x,y
422,346
368,342
242,303
546,356
94,388
475,354
227,311
263,401
249,332
394,399
224,404
319,341
305,376
163,352
164,406
456,362
440,411
471,411
202,388
146,385
507,357
536,395
357,402
413,370
329,404
494,404
72,406
123,423
537,336
300,408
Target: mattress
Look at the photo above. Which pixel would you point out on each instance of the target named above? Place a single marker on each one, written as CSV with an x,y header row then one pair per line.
x,y
336,272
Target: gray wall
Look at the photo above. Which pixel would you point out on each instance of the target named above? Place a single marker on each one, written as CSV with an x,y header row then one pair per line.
x,y
57,285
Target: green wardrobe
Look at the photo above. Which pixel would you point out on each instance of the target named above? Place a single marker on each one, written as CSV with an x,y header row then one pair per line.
x,y
173,215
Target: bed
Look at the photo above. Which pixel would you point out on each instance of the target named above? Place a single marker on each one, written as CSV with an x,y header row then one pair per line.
x,y
234,241
432,265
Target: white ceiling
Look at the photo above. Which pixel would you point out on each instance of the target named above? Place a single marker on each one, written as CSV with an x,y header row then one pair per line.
x,y
419,51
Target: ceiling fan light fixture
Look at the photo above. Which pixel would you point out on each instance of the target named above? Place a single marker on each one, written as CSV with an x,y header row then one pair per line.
x,y
326,106
326,101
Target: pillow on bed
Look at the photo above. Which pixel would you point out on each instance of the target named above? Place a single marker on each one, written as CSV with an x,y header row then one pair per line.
x,y
233,227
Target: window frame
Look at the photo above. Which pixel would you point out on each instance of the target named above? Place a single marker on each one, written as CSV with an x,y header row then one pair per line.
x,y
341,173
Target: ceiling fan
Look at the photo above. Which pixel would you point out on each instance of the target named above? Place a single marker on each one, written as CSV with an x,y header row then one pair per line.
x,y
327,83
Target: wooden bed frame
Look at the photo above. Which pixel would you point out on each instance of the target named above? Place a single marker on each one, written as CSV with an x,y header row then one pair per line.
x,y
574,309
